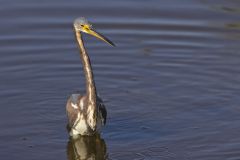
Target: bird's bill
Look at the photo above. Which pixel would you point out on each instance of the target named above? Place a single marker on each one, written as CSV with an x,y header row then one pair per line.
x,y
100,36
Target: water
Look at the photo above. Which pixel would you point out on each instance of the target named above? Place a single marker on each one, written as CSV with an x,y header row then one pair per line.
x,y
171,86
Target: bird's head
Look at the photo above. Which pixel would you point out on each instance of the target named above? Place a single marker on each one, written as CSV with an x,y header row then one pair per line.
x,y
82,25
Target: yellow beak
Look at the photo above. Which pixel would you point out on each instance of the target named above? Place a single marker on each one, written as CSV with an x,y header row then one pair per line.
x,y
98,35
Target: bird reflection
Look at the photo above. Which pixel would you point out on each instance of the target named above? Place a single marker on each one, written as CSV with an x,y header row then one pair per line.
x,y
87,148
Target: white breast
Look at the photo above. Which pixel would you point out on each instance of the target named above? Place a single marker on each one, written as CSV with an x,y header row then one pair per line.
x,y
80,127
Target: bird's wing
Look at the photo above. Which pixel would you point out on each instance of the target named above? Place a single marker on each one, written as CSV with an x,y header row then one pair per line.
x,y
72,109
102,109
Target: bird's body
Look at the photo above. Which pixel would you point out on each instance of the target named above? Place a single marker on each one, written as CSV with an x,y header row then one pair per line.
x,y
78,118
86,113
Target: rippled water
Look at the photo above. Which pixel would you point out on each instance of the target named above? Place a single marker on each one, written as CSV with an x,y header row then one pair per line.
x,y
171,86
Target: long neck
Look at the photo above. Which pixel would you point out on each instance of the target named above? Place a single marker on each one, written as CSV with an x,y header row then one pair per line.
x,y
90,84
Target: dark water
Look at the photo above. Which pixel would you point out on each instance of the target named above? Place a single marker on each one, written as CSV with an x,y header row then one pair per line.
x,y
171,85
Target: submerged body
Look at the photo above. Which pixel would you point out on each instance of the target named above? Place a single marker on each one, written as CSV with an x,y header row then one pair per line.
x,y
86,114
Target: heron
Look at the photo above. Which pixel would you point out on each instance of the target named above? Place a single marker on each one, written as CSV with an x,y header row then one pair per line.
x,y
86,113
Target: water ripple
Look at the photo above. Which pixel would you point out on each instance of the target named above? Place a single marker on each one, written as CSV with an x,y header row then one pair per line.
x,y
171,85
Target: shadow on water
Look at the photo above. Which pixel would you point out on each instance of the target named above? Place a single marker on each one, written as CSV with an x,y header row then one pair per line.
x,y
87,147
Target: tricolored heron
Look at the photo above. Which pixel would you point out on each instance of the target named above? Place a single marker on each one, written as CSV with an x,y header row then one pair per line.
x,y
86,113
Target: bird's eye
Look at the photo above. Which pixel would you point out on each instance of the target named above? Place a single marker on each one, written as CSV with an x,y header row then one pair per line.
x,y
82,25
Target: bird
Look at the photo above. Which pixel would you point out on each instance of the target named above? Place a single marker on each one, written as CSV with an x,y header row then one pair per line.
x,y
86,112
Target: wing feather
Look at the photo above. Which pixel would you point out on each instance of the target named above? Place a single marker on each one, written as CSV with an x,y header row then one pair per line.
x,y
72,112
